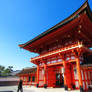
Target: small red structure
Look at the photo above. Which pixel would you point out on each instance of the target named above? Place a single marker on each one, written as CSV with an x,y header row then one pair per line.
x,y
28,76
64,55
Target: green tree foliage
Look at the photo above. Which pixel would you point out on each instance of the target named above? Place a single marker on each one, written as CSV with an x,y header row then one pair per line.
x,y
5,71
10,69
2,68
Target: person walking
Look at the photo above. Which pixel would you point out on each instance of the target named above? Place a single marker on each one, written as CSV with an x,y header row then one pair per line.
x,y
20,86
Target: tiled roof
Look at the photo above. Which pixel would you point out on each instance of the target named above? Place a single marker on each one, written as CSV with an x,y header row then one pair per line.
x,y
28,71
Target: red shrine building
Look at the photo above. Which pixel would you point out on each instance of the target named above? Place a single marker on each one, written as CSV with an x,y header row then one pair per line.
x,y
28,75
64,59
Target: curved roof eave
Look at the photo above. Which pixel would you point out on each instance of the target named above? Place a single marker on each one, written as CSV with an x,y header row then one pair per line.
x,y
62,23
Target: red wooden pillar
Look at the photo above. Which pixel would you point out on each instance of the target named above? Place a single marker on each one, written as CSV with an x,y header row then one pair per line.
x,y
31,78
37,76
26,79
79,74
45,76
65,76
84,79
87,79
23,80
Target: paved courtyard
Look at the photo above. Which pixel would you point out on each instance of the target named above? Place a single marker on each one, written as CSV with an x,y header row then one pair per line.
x,y
32,89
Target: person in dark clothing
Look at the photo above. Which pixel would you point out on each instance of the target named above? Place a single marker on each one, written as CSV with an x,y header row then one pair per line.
x,y
20,86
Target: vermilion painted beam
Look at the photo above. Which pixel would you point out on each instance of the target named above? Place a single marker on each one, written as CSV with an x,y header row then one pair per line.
x,y
62,50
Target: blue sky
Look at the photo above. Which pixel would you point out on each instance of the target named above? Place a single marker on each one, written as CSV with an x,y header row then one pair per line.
x,y
22,20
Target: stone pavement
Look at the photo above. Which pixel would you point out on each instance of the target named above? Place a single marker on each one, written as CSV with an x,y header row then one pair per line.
x,y
32,89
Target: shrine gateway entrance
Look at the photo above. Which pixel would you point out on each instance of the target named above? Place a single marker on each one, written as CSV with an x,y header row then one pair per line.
x,y
58,75
55,76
